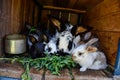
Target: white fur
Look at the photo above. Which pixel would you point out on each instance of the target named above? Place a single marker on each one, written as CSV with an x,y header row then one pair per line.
x,y
69,27
51,45
89,60
76,41
64,39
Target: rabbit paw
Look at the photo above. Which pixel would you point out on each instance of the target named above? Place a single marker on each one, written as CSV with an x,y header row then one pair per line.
x,y
82,69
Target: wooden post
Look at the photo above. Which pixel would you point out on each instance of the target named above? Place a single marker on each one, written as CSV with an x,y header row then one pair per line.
x,y
69,15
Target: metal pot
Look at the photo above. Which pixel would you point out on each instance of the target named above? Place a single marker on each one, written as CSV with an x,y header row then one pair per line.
x,y
15,44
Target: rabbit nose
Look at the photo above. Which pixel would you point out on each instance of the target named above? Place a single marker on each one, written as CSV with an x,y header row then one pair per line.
x,y
73,57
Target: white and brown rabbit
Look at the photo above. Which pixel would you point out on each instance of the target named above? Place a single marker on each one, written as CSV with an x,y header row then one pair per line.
x,y
89,57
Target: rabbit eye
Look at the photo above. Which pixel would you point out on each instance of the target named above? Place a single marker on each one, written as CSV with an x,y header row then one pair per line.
x,y
80,54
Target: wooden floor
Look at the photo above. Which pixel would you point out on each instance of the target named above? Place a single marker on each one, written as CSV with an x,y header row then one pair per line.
x,y
15,70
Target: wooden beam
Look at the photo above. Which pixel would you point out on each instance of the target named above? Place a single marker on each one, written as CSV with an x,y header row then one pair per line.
x,y
64,9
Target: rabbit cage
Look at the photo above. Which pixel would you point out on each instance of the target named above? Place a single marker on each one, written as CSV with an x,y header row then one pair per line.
x,y
102,15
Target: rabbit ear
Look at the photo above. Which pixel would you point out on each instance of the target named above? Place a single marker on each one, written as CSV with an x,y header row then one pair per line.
x,y
90,42
32,38
78,29
87,35
77,40
56,22
45,38
91,49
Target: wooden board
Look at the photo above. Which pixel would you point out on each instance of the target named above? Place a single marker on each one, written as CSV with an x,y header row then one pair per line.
x,y
106,23
105,19
108,42
103,9
15,71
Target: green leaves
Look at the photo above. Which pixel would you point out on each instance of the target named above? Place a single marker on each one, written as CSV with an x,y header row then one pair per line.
x,y
53,63
32,29
26,74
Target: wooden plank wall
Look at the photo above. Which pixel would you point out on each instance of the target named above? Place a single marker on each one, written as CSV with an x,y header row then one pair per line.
x,y
64,16
13,14
105,18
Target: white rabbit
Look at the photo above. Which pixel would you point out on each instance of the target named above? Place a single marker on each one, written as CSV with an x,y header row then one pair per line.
x,y
88,57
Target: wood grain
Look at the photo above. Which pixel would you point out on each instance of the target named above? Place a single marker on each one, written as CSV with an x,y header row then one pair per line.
x,y
105,19
64,9
14,14
108,42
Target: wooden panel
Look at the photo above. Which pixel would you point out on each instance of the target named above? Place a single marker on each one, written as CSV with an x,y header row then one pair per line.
x,y
15,16
86,4
5,21
14,13
36,15
5,18
73,19
109,44
106,23
44,17
105,19
71,3
61,3
104,8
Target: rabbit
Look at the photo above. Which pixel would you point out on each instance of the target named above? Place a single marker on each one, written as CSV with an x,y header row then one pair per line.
x,y
51,47
33,35
85,37
37,50
59,24
37,38
89,57
65,42
64,35
67,39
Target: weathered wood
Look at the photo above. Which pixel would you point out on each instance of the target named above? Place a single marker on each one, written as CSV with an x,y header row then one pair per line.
x,y
15,71
108,42
105,18
105,8
64,9
83,4
105,23
72,3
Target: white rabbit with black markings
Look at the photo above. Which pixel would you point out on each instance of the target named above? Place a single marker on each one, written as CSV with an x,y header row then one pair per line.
x,y
88,56
51,47
65,42
67,39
